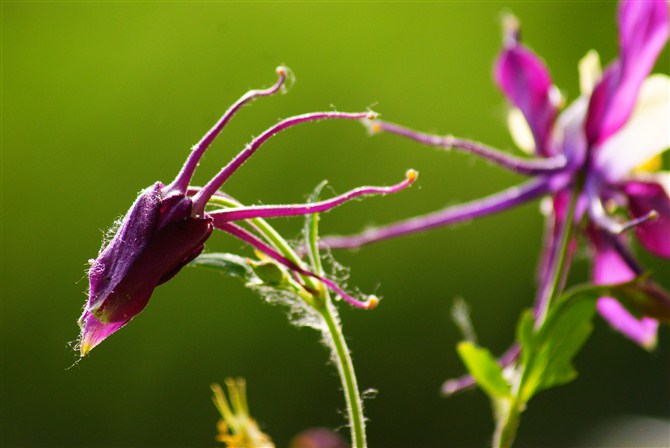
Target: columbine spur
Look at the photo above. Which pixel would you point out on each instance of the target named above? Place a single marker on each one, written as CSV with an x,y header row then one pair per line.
x,y
592,148
167,226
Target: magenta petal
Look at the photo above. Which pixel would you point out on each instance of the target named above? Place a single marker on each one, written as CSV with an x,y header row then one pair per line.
x,y
643,197
643,32
642,331
609,267
93,331
526,82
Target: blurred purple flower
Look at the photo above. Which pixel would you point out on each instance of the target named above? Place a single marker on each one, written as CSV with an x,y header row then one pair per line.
x,y
595,145
167,226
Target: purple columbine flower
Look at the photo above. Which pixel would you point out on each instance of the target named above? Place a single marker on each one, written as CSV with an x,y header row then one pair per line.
x,y
595,145
168,225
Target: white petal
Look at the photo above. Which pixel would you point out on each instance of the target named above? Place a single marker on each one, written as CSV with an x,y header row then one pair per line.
x,y
590,72
521,133
568,137
645,135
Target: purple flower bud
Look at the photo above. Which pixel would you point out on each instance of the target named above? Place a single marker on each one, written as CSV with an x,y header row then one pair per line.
x,y
157,237
167,226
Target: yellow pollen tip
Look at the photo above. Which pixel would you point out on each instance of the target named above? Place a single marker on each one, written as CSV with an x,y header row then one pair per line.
x,y
653,215
281,71
412,175
372,116
376,128
372,302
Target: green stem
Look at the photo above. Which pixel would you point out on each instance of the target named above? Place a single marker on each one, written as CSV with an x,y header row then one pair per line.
x,y
508,410
333,330
345,368
508,415
332,333
560,266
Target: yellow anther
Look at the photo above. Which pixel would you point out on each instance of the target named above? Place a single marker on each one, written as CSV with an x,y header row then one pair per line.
x,y
281,70
376,128
372,116
373,301
412,175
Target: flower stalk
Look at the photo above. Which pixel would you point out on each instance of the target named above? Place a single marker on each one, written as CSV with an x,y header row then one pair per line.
x,y
345,369
508,410
335,339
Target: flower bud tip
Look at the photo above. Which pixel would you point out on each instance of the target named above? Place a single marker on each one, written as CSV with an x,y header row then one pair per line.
x,y
84,348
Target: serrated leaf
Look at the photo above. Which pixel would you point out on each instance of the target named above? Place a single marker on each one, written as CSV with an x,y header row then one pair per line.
x,y
227,264
485,369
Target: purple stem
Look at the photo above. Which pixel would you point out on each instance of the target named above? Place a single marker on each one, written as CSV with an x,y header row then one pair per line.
x,y
256,242
512,163
600,217
201,198
450,387
180,184
450,215
275,211
624,253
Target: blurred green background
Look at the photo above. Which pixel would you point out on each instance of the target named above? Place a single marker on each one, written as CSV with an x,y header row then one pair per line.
x,y
101,99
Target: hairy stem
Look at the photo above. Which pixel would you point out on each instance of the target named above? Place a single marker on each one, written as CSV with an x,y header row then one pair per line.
x,y
345,368
332,333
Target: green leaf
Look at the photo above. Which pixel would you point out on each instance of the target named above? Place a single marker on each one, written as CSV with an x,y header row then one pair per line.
x,y
525,336
227,264
485,369
547,354
562,336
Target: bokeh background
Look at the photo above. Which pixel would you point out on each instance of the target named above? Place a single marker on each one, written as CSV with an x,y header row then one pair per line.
x,y
100,99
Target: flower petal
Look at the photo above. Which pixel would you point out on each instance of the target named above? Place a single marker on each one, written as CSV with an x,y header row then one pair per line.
x,y
590,72
645,135
526,82
643,32
610,267
520,131
643,197
117,258
93,331
642,331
